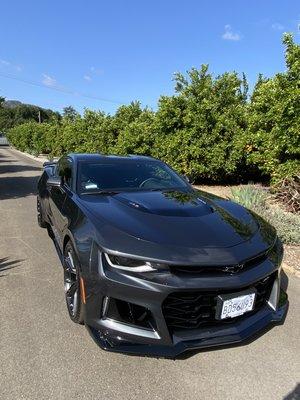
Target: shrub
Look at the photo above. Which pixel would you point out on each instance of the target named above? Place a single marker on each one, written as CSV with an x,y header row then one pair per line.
x,y
272,139
287,191
207,130
250,196
34,138
257,200
199,130
137,138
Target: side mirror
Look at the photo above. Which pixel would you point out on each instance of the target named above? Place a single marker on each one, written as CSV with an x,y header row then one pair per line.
x,y
54,181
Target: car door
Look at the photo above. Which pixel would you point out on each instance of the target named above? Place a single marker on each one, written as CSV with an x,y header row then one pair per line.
x,y
58,196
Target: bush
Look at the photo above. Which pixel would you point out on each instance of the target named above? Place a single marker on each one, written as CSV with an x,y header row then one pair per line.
x,y
200,130
272,139
33,137
137,138
250,197
207,130
257,200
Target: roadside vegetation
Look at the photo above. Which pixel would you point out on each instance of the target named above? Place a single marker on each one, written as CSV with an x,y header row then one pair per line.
x,y
14,113
211,130
262,202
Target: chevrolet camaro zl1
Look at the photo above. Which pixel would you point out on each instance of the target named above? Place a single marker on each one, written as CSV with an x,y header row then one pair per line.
x,y
153,266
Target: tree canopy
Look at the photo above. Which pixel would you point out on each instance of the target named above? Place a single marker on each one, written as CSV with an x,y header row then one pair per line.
x,y
16,113
210,129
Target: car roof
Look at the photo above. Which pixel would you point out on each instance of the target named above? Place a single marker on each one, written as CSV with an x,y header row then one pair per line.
x,y
98,157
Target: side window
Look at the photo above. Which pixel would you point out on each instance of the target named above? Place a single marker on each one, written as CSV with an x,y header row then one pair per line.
x,y
65,171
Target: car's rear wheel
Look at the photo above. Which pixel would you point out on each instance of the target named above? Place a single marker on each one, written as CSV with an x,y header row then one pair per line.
x,y
72,284
42,223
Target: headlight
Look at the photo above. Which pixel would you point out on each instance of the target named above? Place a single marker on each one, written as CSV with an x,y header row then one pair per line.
x,y
131,264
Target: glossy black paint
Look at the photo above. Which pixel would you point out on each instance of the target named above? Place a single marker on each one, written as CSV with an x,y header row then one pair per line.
x,y
186,228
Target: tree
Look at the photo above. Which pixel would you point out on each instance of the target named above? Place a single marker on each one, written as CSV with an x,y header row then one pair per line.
x,y
138,136
14,113
209,129
200,129
69,113
273,139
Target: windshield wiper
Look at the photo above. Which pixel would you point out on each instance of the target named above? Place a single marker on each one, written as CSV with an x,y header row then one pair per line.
x,y
103,192
165,190
162,189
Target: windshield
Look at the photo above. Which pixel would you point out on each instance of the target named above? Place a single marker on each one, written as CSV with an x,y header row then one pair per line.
x,y
124,175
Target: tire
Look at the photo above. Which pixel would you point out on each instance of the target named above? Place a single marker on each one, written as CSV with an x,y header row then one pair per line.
x,y
72,284
42,223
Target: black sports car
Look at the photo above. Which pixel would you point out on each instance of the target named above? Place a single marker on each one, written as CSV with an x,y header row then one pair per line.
x,y
152,265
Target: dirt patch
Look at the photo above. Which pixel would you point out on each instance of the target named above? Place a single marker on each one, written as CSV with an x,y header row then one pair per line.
x,y
291,259
222,191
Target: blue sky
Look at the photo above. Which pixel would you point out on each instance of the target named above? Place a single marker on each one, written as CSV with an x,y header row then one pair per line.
x,y
100,54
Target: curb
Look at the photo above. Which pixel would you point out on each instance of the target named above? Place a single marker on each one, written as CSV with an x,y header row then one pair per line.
x,y
40,159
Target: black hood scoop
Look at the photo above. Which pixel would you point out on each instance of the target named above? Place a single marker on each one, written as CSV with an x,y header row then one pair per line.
x,y
170,218
166,203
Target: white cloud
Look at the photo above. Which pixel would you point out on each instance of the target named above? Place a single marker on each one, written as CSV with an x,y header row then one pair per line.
x,y
277,26
87,78
49,81
4,62
230,35
8,64
97,71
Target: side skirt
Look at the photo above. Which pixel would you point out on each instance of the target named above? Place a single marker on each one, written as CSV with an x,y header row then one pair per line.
x,y
57,248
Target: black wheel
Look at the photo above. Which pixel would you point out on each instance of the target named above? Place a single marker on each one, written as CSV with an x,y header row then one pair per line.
x,y
42,223
72,285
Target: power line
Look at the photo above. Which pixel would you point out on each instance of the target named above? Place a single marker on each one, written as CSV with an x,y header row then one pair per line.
x,y
60,89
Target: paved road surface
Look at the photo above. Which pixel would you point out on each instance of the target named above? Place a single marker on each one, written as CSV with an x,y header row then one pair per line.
x,y
43,355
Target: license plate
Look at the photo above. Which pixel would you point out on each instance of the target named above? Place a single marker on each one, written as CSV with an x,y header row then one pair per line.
x,y
234,305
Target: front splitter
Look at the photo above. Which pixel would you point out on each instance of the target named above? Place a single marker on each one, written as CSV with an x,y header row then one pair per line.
x,y
116,344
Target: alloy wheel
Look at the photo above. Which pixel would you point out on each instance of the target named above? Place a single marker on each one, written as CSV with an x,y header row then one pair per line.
x,y
71,284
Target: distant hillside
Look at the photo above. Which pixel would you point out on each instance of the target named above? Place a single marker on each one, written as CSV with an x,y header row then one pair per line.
x,y
17,103
14,112
12,103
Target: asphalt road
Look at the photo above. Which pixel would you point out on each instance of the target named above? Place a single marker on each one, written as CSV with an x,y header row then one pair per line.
x,y
43,355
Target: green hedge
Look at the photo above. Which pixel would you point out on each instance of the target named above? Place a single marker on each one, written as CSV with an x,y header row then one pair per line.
x,y
209,129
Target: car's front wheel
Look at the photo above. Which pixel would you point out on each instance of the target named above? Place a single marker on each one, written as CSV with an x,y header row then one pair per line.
x,y
72,284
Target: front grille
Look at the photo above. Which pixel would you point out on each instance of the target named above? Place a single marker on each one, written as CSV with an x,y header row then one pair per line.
x,y
196,309
224,269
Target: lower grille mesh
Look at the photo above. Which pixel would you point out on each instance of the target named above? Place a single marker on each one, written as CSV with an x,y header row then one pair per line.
x,y
195,309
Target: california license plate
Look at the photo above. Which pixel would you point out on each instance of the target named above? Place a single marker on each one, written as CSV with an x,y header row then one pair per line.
x,y
234,305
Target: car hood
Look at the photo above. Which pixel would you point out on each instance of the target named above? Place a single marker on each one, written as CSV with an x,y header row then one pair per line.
x,y
171,218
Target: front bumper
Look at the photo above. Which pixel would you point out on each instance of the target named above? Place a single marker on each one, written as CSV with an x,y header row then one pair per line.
x,y
117,336
112,341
